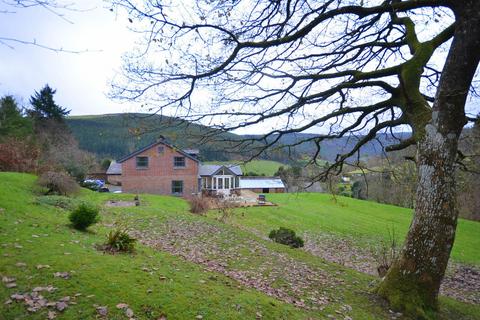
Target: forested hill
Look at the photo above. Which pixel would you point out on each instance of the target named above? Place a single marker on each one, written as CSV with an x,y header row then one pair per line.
x,y
115,135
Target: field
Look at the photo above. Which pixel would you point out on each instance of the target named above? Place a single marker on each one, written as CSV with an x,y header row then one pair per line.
x,y
259,167
194,267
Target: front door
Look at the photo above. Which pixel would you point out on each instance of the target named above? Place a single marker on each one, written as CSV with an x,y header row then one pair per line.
x,y
224,184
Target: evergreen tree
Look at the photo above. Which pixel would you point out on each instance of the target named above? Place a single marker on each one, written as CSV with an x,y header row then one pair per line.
x,y
12,122
44,107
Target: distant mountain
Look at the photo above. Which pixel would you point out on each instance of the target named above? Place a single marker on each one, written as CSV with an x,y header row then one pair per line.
x,y
115,135
330,148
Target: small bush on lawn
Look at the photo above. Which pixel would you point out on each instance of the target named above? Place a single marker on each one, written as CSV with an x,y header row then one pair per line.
x,y
287,237
199,205
120,241
84,216
58,183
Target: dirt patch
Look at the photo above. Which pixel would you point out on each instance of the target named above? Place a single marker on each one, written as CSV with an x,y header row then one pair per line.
x,y
120,203
461,282
246,260
340,251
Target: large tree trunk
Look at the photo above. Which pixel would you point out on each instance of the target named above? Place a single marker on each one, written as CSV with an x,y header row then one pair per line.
x,y
413,282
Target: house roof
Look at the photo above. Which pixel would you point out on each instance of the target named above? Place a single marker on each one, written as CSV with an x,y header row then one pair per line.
x,y
211,169
261,182
151,145
114,168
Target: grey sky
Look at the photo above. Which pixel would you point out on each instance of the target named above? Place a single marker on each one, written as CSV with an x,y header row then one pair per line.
x,y
82,79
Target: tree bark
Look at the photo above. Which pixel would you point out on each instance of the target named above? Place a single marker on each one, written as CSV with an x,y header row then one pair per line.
x,y
413,282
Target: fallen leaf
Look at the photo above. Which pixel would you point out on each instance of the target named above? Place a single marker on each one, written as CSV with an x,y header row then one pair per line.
x,y
60,306
63,275
129,312
8,279
102,310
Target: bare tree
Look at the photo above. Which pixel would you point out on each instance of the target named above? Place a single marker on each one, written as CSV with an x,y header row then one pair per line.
x,y
54,7
348,66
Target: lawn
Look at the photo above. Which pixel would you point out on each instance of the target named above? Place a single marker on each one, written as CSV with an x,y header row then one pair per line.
x,y
259,167
364,221
186,266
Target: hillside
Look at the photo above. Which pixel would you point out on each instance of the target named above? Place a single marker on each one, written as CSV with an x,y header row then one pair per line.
x,y
114,135
330,148
192,267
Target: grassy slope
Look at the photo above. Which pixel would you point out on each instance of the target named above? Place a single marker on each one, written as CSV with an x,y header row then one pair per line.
x,y
364,221
260,167
111,278
120,278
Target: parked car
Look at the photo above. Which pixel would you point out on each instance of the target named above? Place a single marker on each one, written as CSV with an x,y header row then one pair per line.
x,y
94,184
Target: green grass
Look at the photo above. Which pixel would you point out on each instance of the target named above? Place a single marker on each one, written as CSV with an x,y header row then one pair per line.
x,y
188,290
260,167
181,289
363,221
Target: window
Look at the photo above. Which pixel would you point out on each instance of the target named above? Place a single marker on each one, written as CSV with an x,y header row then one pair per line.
x,y
142,162
177,186
179,162
160,149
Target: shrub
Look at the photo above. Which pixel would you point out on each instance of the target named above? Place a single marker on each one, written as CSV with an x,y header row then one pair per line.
x,y
199,205
287,237
58,183
120,241
84,216
226,210
385,252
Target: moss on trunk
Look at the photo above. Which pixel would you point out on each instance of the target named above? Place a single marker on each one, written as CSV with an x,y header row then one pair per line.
x,y
404,293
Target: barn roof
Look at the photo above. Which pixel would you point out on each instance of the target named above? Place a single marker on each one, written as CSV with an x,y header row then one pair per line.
x,y
261,182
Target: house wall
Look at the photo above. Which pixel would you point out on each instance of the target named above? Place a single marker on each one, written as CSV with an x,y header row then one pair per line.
x,y
115,179
157,179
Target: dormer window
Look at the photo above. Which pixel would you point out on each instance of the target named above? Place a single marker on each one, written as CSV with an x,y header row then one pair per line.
x,y
179,162
142,162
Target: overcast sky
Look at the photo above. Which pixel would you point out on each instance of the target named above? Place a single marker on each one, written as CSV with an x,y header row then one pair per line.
x,y
81,80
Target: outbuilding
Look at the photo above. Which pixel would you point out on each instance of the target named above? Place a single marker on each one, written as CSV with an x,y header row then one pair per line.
x,y
259,184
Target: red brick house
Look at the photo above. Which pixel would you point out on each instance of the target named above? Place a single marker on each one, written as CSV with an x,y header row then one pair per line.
x,y
160,168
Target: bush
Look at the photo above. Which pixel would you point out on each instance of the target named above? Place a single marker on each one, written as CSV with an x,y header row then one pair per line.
x,y
84,216
226,210
287,237
385,252
58,183
120,241
199,205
